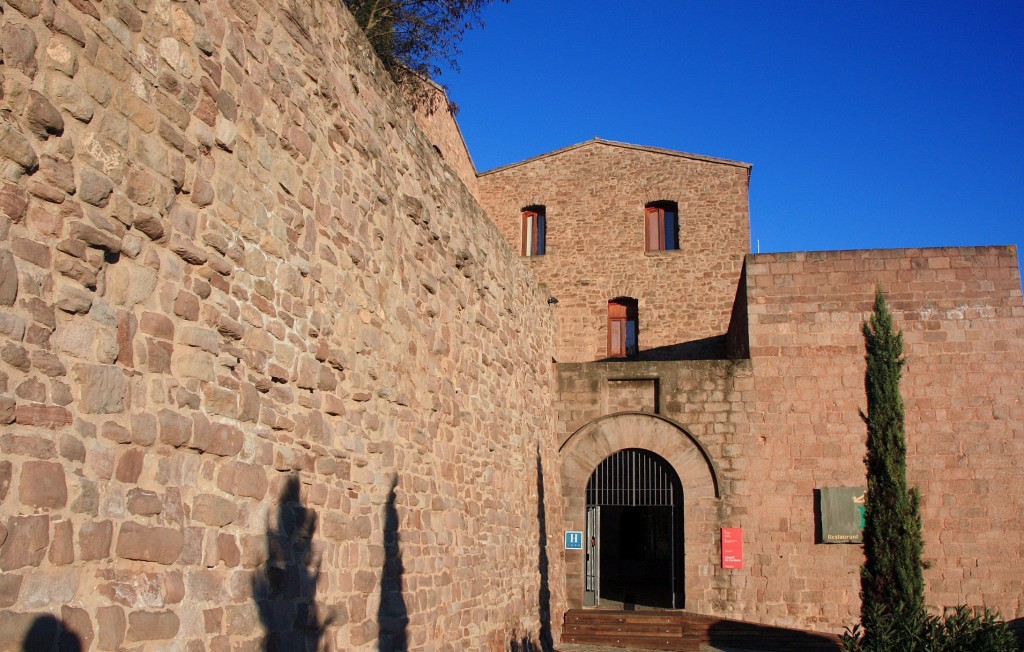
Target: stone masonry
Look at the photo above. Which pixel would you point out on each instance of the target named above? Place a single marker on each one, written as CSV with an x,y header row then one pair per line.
x,y
595,194
784,422
266,368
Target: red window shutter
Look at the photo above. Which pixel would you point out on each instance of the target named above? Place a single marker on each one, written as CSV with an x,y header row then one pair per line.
x,y
616,338
655,228
529,233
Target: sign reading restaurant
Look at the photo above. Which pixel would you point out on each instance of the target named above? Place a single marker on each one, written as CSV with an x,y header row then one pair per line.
x,y
842,514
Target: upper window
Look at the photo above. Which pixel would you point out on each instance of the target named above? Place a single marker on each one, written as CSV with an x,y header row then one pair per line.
x,y
534,231
623,327
661,225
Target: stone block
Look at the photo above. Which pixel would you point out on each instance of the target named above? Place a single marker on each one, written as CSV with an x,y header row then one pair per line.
x,y
15,147
68,96
62,548
48,363
103,388
242,479
8,278
158,544
72,298
129,465
41,589
14,627
152,626
6,469
93,187
228,552
27,539
175,429
111,623
214,510
193,363
144,503
97,238
129,283
33,252
43,485
202,338
43,416
10,588
43,117
144,429
71,448
76,624
94,538
19,47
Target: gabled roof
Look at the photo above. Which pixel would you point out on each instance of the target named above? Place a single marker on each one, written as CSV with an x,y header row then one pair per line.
x,y
612,143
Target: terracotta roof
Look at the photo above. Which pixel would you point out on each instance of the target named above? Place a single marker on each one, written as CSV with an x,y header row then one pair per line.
x,y
612,143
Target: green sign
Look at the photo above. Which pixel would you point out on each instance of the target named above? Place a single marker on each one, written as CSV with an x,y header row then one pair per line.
x,y
842,514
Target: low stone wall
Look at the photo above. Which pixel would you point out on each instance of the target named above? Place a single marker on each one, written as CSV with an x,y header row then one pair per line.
x,y
962,320
268,371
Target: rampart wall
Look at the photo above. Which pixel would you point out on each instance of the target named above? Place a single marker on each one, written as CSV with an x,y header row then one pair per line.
x,y
266,368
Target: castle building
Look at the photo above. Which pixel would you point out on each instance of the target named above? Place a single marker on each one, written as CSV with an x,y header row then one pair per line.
x,y
280,370
706,394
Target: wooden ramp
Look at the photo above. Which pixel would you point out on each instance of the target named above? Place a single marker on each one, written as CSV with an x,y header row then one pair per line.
x,y
681,630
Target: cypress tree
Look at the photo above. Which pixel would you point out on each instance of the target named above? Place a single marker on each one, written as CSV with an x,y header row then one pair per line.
x,y
892,581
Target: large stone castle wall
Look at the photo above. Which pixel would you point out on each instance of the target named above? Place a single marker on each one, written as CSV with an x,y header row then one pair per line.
x,y
265,365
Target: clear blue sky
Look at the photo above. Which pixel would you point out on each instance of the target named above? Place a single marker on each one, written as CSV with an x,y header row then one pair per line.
x,y
869,124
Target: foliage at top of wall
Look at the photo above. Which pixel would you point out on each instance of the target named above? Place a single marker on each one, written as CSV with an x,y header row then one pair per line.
x,y
414,38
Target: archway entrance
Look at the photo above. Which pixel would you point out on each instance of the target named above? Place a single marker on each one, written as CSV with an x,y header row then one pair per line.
x,y
634,533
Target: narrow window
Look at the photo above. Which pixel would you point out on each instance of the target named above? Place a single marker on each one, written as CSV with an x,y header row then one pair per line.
x,y
661,225
623,328
534,231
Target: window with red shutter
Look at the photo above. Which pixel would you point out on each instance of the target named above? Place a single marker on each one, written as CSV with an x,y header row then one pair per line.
x,y
661,226
623,328
534,241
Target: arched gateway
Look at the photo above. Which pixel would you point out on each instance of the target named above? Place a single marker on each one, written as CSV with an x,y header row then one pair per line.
x,y
636,484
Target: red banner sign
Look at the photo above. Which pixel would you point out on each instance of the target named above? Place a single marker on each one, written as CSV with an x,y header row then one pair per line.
x,y
732,547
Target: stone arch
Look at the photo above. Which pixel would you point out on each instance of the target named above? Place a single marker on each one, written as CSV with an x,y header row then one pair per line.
x,y
586,448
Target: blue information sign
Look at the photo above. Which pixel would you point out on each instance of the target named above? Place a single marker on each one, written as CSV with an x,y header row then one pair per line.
x,y
573,540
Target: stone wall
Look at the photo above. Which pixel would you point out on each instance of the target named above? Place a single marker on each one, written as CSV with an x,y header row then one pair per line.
x,y
436,117
595,194
700,422
266,369
962,319
784,423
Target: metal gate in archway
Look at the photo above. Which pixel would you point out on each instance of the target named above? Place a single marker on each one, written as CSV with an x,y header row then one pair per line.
x,y
634,533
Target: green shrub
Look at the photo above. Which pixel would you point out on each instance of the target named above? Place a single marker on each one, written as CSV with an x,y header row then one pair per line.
x,y
912,630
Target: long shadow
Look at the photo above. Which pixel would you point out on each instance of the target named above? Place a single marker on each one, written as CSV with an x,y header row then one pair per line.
x,y
285,588
1017,625
708,348
736,635
547,642
48,634
392,614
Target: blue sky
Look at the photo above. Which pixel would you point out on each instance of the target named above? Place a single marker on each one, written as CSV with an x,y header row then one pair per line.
x,y
869,124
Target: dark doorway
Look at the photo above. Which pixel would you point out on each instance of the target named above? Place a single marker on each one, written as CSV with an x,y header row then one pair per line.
x,y
634,533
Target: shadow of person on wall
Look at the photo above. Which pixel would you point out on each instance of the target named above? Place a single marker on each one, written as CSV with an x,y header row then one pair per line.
x,y
47,634
285,588
392,615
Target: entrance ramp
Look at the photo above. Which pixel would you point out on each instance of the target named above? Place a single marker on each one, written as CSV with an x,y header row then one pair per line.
x,y
681,630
